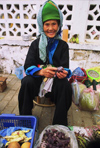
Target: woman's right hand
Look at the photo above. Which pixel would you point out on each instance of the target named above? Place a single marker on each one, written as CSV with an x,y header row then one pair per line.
x,y
48,72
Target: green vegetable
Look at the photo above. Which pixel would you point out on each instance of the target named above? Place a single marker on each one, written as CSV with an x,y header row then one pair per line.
x,y
81,87
89,100
82,140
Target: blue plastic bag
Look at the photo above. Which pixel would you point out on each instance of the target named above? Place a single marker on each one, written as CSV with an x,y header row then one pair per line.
x,y
78,72
19,72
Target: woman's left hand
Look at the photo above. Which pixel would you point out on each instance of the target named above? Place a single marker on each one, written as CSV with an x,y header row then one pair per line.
x,y
62,74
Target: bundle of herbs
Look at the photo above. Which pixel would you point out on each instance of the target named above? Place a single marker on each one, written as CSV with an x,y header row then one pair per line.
x,y
56,136
55,139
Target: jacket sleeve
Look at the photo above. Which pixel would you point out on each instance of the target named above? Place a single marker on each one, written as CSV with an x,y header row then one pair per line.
x,y
31,61
31,70
64,60
31,56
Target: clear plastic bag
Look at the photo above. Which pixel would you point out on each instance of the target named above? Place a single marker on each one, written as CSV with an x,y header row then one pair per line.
x,y
89,100
64,129
77,88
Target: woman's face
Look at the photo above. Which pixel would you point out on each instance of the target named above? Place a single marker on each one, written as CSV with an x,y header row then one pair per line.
x,y
50,28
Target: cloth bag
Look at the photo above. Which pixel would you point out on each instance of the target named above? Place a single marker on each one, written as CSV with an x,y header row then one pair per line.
x,y
46,86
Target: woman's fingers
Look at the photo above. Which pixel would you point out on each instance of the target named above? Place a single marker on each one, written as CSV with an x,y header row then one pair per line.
x,y
49,72
51,69
62,75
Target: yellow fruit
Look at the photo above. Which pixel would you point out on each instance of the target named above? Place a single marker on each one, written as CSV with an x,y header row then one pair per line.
x,y
26,145
14,145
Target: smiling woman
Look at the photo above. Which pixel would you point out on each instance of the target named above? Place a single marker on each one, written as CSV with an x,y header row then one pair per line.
x,y
50,28
45,55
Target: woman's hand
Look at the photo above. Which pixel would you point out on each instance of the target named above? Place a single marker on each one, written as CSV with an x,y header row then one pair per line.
x,y
48,72
62,74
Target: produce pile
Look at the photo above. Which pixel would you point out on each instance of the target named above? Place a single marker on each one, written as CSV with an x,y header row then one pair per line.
x,y
82,140
96,134
87,136
56,136
55,139
18,136
17,145
17,139
85,98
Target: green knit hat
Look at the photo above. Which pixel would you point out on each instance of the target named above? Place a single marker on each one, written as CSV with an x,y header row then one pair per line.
x,y
50,12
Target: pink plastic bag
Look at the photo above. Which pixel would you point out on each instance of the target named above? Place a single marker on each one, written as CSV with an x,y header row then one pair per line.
x,y
89,100
98,89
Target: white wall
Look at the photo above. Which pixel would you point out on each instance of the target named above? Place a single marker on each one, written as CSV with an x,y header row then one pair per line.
x,y
13,55
79,15
18,17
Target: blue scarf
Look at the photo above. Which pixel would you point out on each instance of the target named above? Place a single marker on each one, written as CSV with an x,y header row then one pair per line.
x,y
52,45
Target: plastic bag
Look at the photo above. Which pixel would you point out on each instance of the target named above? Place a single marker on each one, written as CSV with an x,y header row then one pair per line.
x,y
89,100
64,129
78,72
81,79
77,88
19,72
98,89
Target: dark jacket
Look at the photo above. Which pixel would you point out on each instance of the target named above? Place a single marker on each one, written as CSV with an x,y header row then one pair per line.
x,y
60,57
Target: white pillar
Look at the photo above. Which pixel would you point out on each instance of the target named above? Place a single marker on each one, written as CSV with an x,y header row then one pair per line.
x,y
79,18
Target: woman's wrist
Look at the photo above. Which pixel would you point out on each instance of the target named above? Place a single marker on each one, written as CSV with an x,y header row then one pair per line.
x,y
39,73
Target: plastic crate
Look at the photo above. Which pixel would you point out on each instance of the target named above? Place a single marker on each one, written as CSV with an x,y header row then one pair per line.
x,y
11,120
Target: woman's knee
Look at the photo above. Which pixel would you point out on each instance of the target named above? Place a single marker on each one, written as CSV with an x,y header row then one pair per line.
x,y
28,80
62,82
62,86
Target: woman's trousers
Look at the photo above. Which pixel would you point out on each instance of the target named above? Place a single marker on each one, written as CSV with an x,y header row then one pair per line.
x,y
61,95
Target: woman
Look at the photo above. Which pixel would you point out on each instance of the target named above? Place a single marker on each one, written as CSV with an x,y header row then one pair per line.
x,y
48,48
